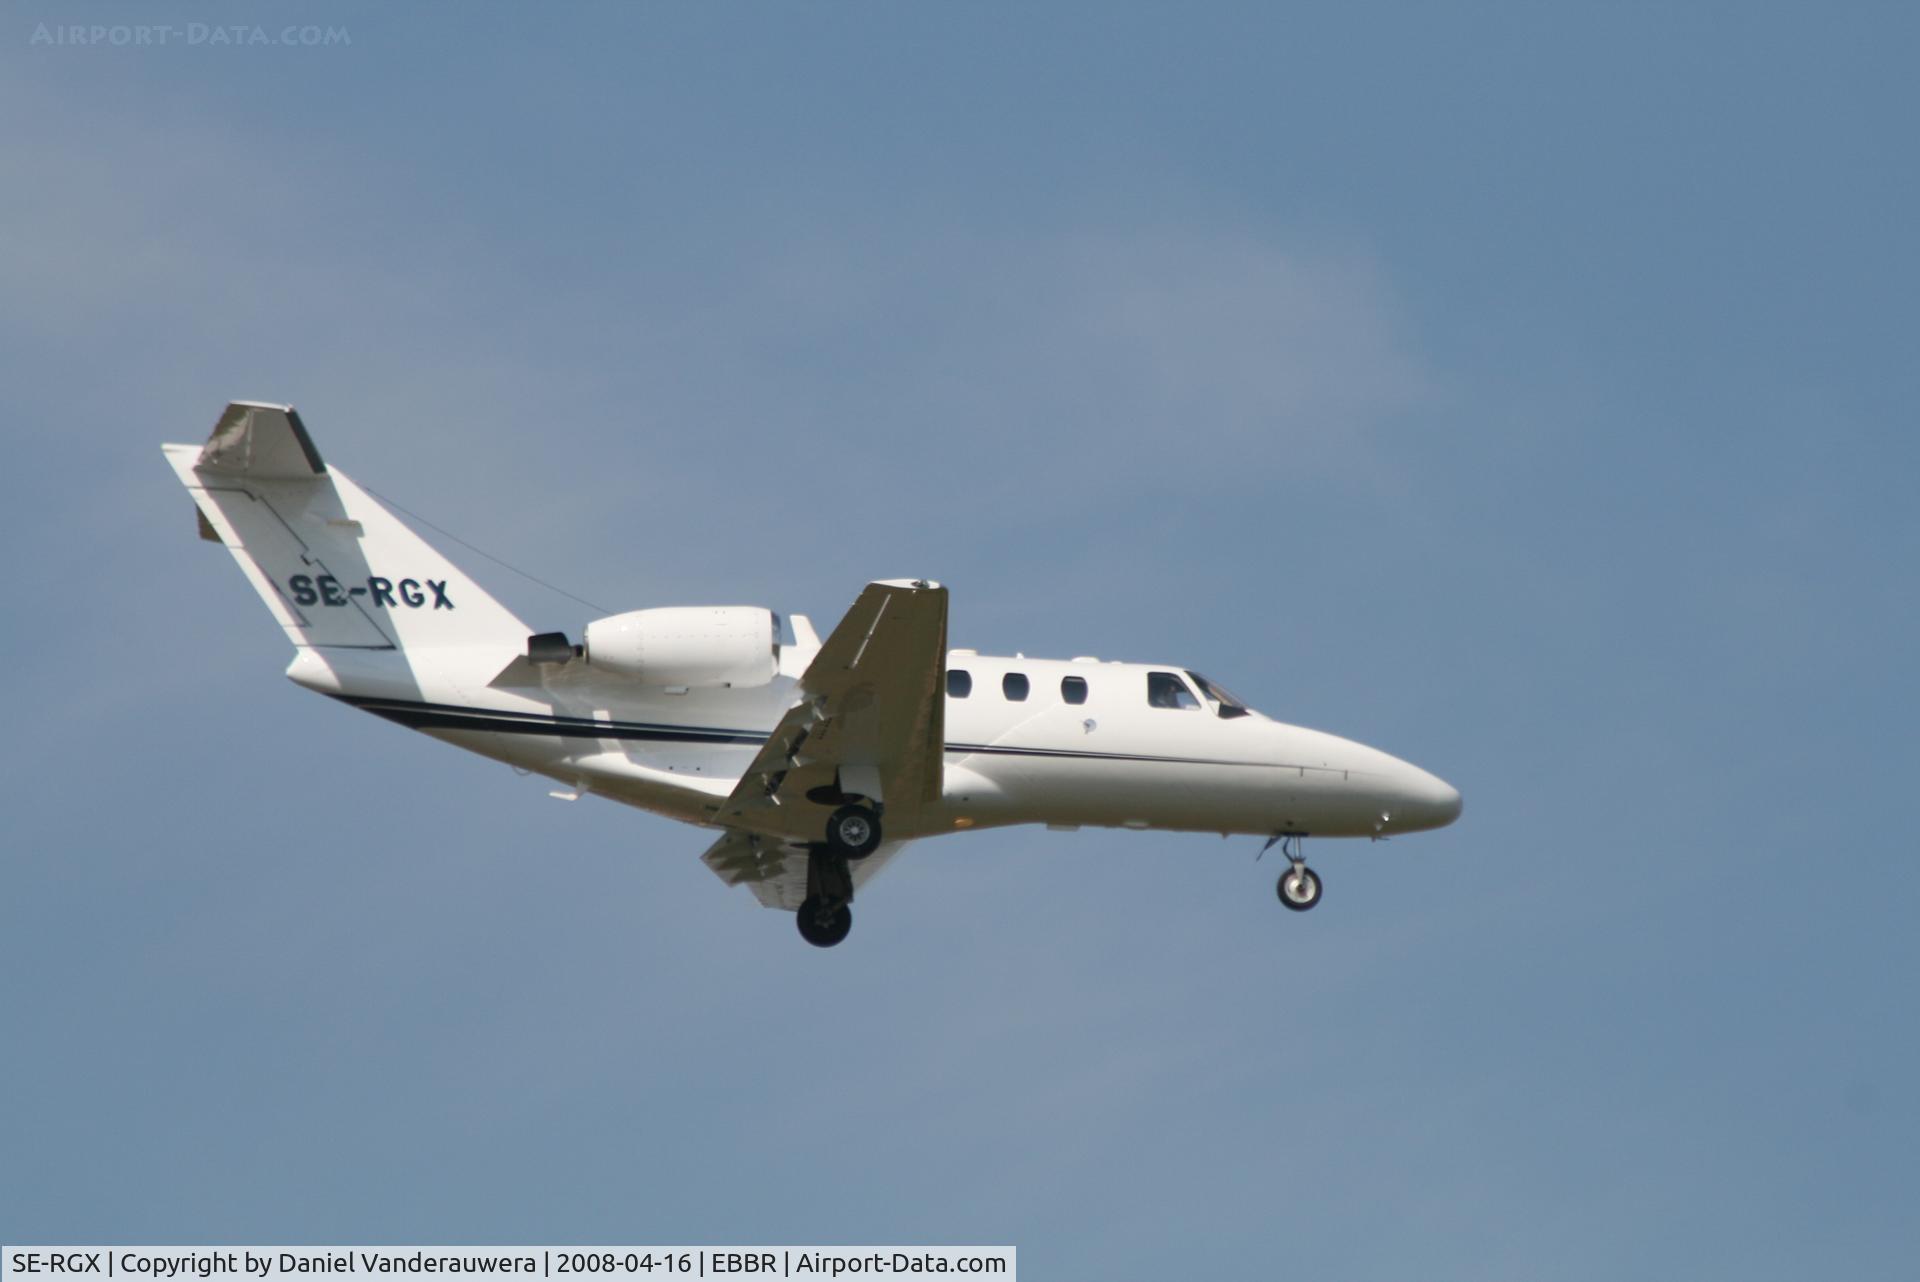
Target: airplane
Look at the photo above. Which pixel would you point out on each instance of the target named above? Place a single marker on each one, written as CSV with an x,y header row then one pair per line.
x,y
815,761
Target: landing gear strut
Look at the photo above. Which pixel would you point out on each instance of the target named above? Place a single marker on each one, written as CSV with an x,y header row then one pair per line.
x,y
852,833
824,917
1299,887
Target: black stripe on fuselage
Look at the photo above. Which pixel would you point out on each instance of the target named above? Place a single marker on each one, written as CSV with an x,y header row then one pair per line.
x,y
1005,750
443,716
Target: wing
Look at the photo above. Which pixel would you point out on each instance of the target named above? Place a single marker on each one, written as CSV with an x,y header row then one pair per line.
x,y
870,720
776,869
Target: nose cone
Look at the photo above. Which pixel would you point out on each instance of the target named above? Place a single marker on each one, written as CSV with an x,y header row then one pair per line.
x,y
1427,801
1348,789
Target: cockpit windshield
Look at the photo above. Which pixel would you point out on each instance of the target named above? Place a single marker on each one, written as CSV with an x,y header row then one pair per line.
x,y
1229,706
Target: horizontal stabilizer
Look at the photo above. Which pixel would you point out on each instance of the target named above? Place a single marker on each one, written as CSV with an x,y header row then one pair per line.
x,y
265,442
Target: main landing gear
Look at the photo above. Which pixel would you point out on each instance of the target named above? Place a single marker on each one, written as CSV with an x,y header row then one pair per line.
x,y
853,832
1299,887
821,926
824,917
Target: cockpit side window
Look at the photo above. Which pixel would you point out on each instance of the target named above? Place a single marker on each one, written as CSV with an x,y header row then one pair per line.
x,y
1014,686
1167,690
1229,706
959,683
1073,689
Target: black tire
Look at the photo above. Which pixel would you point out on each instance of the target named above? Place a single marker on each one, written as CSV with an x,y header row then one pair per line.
x,y
853,832
823,933
1303,895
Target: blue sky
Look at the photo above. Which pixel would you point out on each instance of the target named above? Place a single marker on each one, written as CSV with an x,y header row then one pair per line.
x,y
1526,390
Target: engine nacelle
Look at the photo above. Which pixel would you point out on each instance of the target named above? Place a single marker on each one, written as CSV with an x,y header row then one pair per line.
x,y
695,647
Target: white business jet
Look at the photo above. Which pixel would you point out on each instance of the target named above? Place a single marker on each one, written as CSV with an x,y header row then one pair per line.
x,y
816,762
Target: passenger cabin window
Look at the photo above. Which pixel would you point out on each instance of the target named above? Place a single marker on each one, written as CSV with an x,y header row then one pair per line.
x,y
1014,686
1166,690
1229,706
1073,689
959,683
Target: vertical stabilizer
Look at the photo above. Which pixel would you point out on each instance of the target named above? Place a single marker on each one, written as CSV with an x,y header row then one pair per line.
x,y
334,566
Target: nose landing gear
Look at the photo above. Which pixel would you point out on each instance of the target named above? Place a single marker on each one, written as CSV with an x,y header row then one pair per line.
x,y
1299,886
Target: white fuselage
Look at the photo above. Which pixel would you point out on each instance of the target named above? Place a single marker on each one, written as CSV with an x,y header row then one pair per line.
x,y
815,761
1133,752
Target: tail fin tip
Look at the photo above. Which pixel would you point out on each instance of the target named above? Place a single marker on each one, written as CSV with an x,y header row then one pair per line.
x,y
261,440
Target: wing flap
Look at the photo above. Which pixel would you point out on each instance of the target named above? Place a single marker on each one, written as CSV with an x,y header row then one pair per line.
x,y
776,869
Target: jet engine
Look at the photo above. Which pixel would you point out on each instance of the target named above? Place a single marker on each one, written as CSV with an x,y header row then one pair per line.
x,y
691,647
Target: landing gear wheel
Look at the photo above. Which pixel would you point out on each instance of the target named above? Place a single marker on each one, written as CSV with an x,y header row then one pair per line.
x,y
823,930
854,832
1299,888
